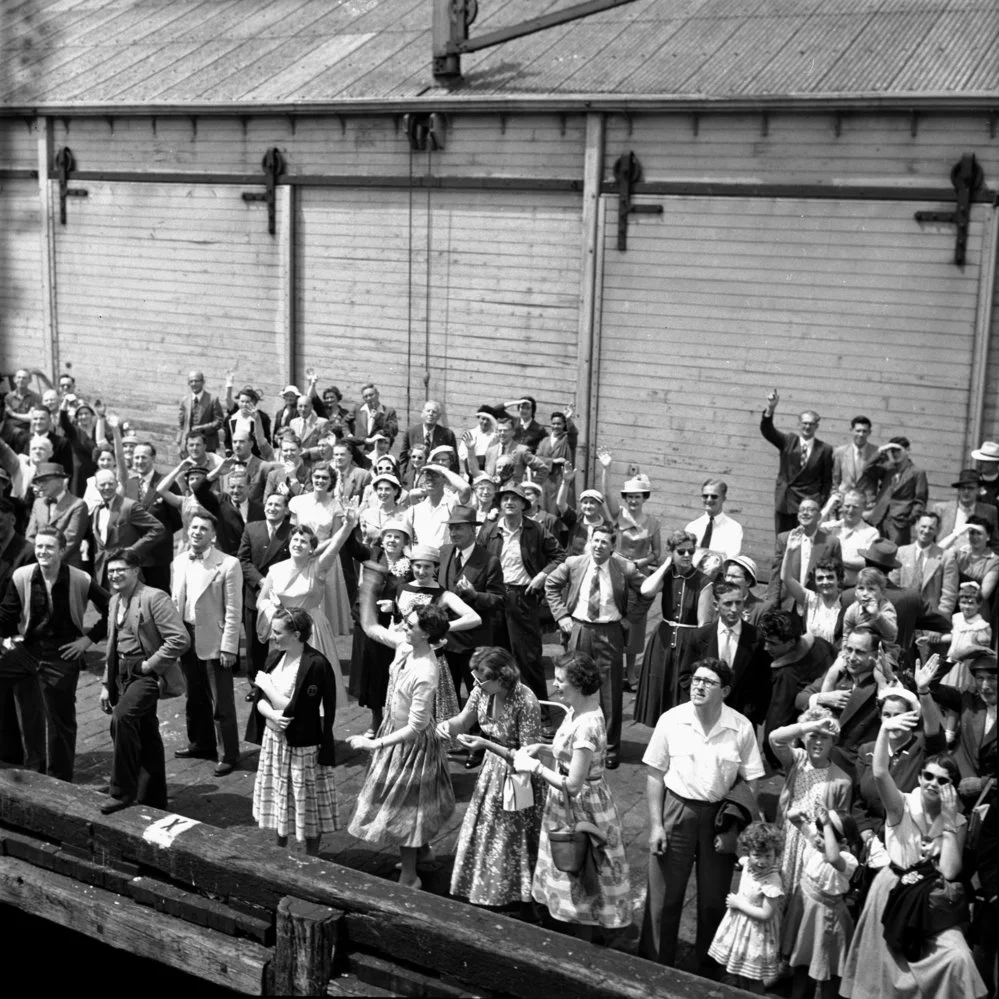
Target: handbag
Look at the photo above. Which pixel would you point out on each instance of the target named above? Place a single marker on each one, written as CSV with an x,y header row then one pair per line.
x,y
518,792
569,846
171,680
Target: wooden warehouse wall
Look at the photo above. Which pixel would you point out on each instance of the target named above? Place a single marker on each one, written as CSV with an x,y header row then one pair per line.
x,y
771,264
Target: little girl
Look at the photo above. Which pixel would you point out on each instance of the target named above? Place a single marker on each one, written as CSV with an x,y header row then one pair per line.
x,y
872,608
813,782
970,633
818,928
747,942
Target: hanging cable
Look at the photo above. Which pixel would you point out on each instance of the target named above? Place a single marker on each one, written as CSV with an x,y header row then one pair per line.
x,y
409,297
426,302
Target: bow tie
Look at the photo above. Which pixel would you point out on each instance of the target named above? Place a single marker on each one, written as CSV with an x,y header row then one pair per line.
x,y
196,556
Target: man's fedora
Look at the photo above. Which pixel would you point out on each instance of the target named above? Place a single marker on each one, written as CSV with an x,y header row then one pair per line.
x,y
882,554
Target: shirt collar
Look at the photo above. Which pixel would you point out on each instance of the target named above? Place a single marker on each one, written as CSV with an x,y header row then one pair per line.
x,y
466,553
726,720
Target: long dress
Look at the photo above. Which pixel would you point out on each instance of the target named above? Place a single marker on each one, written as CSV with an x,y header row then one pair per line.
x,y
294,588
497,850
292,788
635,541
324,519
873,970
658,681
407,793
746,946
567,897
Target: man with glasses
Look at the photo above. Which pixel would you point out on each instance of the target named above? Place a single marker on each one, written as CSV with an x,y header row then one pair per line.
x,y
852,532
715,530
813,545
146,636
806,463
697,753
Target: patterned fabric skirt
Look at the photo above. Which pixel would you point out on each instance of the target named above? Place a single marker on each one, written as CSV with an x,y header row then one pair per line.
x,y
816,933
748,947
497,850
293,789
567,898
446,701
407,794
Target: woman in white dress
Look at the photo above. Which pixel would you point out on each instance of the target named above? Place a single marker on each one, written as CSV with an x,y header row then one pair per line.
x,y
321,511
300,581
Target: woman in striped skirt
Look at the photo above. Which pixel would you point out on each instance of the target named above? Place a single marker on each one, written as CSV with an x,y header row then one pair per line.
x,y
294,785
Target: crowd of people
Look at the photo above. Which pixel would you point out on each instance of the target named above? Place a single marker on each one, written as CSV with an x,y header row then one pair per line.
x,y
862,670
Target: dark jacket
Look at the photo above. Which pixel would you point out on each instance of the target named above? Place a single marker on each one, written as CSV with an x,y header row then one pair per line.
x,y
169,516
539,549
484,572
229,521
315,686
795,483
257,553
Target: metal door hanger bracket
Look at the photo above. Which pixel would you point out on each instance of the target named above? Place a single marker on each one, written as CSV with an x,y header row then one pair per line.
x,y
65,165
967,177
273,167
627,173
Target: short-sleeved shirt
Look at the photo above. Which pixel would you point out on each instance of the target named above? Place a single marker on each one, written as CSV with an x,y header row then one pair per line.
x,y
699,766
429,523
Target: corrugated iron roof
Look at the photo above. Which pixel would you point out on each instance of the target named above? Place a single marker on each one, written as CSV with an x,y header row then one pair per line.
x,y
107,54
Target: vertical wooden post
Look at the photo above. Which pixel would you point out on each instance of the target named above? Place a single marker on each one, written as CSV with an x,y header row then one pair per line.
x,y
586,341
984,317
46,235
304,945
287,208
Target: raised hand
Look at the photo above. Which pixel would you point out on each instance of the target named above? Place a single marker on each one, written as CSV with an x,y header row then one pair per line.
x,y
312,376
604,457
773,398
924,675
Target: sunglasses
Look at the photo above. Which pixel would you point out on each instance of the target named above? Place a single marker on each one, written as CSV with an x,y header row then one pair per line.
x,y
685,551
928,775
710,496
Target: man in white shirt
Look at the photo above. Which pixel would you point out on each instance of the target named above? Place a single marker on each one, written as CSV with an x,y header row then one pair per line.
x,y
715,530
854,533
697,753
428,519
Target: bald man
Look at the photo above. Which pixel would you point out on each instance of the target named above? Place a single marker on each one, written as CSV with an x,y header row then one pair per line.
x,y
201,411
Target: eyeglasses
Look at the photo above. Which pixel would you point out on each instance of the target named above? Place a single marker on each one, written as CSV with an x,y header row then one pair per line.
x,y
684,551
704,681
710,496
936,778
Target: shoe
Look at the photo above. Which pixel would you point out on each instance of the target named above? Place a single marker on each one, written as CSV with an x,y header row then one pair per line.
x,y
116,805
474,760
613,762
191,753
224,769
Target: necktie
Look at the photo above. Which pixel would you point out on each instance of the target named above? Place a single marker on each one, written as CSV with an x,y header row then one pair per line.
x,y
196,556
50,510
728,650
457,564
142,489
920,563
270,532
428,441
593,602
708,532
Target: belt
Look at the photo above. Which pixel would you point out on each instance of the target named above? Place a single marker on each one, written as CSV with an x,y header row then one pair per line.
x,y
563,772
596,624
693,802
516,586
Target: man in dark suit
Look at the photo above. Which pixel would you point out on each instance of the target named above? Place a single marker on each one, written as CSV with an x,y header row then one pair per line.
x,y
146,636
818,544
965,503
373,417
55,506
120,523
589,597
255,469
901,492
806,464
290,475
233,511
468,570
428,434
199,410
40,425
531,555
264,543
141,488
738,644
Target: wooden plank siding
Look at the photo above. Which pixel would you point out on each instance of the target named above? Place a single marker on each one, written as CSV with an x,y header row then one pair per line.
x,y
847,307
153,280
990,422
21,325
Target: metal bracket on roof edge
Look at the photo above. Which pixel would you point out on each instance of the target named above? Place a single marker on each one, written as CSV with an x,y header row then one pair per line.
x,y
967,177
627,173
65,165
273,167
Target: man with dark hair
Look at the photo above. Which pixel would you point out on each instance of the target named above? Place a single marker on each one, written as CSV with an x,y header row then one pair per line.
x,y
120,523
715,530
140,488
506,460
46,604
146,637
954,513
850,462
196,444
290,476
232,512
927,569
373,417
805,469
199,411
247,417
589,597
527,431
695,756
901,491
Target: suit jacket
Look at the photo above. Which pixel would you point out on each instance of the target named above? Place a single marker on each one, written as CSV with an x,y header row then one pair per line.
x,y
484,572
414,437
975,752
310,435
282,418
795,483
229,521
158,626
384,421
538,549
948,517
847,472
208,417
352,484
903,501
18,552
218,606
824,545
69,515
564,583
750,693
530,436
257,553
521,458
278,475
230,426
256,470
169,516
131,526
937,586
859,721
315,686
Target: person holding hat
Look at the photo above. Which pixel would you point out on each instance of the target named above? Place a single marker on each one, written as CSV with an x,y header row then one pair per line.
x,y
987,457
55,506
900,491
527,554
200,410
428,518
715,530
248,417
954,513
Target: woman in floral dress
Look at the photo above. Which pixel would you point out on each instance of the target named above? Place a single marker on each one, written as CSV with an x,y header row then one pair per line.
x,y
497,849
